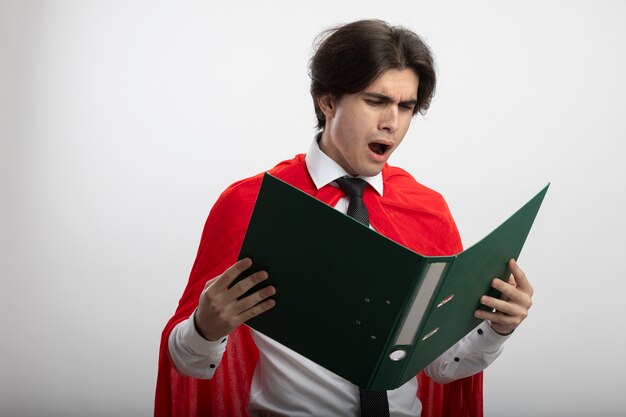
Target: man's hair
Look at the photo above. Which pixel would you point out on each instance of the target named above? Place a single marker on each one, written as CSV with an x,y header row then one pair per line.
x,y
349,58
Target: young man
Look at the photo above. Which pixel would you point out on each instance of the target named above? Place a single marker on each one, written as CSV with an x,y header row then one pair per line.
x,y
368,80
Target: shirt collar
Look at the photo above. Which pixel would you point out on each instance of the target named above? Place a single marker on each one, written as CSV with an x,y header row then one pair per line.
x,y
324,170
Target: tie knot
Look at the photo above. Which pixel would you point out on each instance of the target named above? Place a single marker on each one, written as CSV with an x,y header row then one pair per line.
x,y
354,187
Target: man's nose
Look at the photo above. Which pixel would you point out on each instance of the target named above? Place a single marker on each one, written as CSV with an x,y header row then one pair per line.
x,y
389,119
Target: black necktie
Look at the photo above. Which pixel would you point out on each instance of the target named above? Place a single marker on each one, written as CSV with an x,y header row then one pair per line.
x,y
373,403
354,188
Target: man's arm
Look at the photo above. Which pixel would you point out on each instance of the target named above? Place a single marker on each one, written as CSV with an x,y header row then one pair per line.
x,y
220,311
483,345
512,308
191,353
470,355
197,344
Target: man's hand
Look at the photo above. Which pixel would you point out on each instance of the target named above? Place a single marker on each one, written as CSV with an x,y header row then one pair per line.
x,y
512,308
219,310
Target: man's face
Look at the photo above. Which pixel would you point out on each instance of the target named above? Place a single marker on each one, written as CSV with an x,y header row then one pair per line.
x,y
363,129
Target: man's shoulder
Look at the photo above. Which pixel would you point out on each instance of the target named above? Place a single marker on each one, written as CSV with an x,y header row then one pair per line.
x,y
427,224
403,187
291,170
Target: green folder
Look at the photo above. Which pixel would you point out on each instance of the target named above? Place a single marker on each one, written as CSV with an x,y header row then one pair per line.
x,y
376,313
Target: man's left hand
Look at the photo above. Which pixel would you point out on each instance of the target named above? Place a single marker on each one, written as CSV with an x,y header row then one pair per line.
x,y
512,308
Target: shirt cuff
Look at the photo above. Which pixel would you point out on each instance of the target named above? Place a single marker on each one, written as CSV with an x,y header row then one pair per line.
x,y
194,341
488,339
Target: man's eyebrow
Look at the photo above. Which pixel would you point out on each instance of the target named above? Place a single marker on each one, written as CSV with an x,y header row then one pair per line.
x,y
386,99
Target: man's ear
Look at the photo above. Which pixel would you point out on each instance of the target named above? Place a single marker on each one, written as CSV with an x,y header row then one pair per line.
x,y
327,104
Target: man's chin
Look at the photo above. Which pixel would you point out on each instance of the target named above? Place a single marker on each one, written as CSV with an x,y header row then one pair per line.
x,y
371,170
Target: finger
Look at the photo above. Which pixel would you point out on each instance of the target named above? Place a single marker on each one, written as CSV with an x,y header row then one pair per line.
x,y
511,293
253,299
507,307
502,287
520,277
223,281
499,318
256,310
511,280
245,284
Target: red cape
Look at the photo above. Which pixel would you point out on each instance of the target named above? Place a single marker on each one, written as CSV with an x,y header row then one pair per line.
x,y
408,213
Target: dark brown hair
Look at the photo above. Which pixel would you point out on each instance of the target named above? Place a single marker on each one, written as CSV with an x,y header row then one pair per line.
x,y
349,58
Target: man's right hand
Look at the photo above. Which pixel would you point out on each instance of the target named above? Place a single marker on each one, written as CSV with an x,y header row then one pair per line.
x,y
220,311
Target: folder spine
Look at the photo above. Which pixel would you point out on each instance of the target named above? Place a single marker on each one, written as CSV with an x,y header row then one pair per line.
x,y
409,328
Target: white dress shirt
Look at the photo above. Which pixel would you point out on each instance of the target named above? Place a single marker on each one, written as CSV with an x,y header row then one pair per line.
x,y
286,383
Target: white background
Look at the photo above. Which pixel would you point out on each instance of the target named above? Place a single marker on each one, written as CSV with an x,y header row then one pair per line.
x,y
121,122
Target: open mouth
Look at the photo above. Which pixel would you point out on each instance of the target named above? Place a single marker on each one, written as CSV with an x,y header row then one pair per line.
x,y
378,148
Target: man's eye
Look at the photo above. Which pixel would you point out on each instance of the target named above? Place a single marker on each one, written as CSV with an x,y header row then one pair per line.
x,y
406,107
374,102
